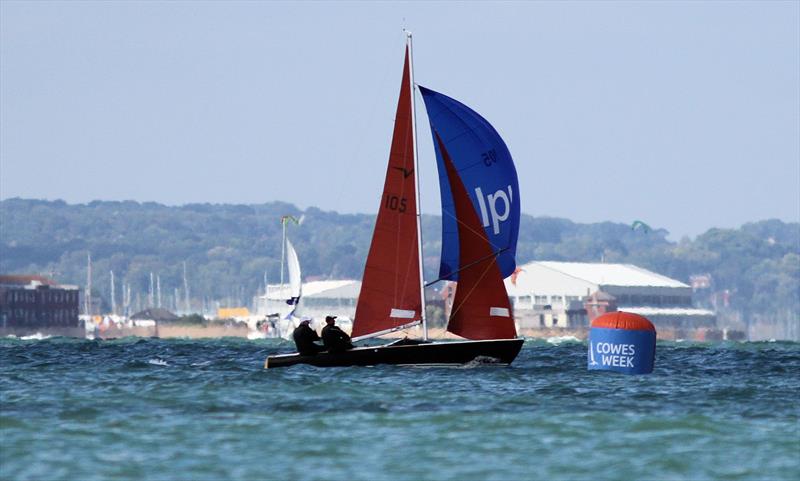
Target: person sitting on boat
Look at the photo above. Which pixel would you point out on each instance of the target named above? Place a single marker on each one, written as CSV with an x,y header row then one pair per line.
x,y
334,338
304,338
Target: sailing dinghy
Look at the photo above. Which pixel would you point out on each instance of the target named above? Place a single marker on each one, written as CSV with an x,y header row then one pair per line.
x,y
282,305
480,224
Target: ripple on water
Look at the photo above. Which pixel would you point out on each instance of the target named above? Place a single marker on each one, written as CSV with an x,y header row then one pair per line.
x,y
183,409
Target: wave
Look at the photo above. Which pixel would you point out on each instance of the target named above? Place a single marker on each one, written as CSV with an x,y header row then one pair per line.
x,y
556,340
33,337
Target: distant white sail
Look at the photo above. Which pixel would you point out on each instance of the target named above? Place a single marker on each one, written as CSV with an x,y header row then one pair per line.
x,y
284,301
295,286
293,264
288,294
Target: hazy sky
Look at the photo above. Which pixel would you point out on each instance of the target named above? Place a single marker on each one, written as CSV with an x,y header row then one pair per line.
x,y
683,114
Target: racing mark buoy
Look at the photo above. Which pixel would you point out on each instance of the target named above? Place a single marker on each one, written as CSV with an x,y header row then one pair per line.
x,y
623,342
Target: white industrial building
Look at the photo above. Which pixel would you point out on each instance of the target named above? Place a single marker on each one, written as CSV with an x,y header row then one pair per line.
x,y
548,294
335,297
319,299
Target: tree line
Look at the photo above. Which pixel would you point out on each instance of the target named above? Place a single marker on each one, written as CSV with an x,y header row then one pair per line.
x,y
754,270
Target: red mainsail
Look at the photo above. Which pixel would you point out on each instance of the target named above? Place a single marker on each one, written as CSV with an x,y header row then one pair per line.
x,y
391,289
481,309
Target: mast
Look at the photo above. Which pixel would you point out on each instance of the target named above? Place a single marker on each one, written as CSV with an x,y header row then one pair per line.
x,y
283,251
158,290
88,296
152,295
266,294
113,296
416,180
186,288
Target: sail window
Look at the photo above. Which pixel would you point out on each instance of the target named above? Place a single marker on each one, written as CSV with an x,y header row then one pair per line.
x,y
499,311
402,314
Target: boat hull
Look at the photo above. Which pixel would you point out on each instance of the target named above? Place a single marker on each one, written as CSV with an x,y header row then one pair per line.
x,y
495,351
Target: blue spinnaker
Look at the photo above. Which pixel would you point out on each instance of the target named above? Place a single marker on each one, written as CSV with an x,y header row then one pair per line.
x,y
485,166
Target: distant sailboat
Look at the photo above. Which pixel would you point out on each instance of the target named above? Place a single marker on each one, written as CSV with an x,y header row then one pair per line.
x,y
292,299
283,305
478,243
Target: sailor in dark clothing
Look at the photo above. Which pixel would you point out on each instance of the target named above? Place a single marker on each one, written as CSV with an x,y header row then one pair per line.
x,y
304,338
335,339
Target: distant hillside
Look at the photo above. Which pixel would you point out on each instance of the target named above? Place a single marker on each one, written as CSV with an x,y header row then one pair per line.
x,y
228,248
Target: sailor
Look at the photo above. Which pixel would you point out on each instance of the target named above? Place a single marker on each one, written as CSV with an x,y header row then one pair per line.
x,y
304,338
335,339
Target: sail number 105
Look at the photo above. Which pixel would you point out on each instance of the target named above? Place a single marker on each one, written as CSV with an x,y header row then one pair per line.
x,y
394,202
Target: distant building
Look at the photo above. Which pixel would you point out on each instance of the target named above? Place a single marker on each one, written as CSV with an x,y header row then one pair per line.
x,y
547,294
319,298
337,297
332,297
31,303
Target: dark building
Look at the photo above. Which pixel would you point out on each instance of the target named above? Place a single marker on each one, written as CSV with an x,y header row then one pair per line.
x,y
31,303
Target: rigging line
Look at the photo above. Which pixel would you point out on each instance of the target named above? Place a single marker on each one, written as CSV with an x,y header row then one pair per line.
x,y
466,296
357,161
470,228
494,254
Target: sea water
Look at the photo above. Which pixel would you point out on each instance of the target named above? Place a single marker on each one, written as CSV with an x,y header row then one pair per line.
x,y
207,410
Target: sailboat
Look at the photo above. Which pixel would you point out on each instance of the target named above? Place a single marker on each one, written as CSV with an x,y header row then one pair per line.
x,y
283,304
480,224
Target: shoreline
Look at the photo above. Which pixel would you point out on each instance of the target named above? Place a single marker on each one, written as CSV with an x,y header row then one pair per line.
x,y
172,331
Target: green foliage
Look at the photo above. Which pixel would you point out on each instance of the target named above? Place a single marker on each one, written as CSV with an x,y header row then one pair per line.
x,y
228,248
190,320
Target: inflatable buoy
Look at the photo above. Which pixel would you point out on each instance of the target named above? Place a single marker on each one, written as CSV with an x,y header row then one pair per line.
x,y
622,342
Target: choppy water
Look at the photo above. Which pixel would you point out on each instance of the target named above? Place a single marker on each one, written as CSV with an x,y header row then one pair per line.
x,y
206,410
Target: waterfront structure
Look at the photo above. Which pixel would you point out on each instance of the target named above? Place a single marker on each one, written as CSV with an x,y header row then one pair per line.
x,y
323,298
32,303
319,299
232,313
549,294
